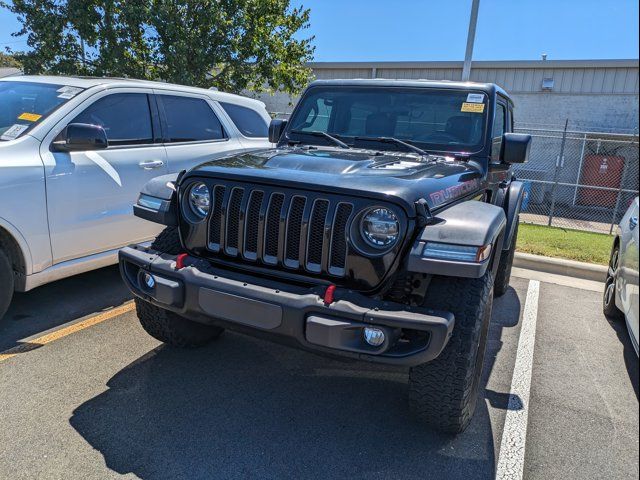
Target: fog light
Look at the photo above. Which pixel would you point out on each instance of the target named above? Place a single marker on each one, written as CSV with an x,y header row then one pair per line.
x,y
374,336
148,280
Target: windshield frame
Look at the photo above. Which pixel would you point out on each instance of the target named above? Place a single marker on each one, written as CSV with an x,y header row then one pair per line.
x,y
42,116
354,140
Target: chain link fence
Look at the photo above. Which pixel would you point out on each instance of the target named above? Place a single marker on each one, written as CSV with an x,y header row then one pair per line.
x,y
577,179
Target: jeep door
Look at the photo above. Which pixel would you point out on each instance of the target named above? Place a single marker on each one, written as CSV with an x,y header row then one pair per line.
x,y
193,129
90,193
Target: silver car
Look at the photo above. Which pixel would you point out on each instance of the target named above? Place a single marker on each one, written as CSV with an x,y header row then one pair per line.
x,y
75,152
621,288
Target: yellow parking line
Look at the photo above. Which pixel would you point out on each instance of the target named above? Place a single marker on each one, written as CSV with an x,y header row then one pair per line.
x,y
63,332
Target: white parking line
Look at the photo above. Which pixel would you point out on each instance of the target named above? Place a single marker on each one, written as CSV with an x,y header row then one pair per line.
x,y
514,435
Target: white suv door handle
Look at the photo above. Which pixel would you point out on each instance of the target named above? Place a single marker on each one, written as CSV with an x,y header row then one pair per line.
x,y
151,164
633,223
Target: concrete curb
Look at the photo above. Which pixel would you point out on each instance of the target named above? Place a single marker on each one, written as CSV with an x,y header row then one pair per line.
x,y
560,266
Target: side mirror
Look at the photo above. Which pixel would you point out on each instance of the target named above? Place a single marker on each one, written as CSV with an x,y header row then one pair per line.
x,y
515,147
81,137
276,128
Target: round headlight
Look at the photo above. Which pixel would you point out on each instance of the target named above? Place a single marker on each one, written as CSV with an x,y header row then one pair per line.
x,y
380,228
199,199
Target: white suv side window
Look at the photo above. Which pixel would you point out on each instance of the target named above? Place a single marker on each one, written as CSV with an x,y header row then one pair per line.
x,y
125,117
189,119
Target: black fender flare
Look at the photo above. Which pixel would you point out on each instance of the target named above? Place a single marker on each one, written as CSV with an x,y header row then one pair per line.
x,y
512,204
157,202
471,223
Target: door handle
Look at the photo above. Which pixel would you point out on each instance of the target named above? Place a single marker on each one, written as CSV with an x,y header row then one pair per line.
x,y
633,223
151,164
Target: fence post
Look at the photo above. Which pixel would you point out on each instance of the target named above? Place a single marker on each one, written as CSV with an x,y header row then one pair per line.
x,y
559,162
575,191
615,210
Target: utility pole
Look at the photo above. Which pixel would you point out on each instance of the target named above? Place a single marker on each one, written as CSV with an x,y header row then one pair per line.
x,y
471,37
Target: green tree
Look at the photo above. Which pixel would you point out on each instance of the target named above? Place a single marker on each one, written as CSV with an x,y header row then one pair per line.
x,y
229,44
7,60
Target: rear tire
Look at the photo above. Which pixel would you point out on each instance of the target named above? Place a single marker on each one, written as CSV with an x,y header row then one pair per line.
x,y
609,308
6,283
167,326
443,393
503,275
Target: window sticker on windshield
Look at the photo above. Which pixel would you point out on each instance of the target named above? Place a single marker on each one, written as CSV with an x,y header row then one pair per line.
x,y
30,117
13,132
472,107
475,98
68,92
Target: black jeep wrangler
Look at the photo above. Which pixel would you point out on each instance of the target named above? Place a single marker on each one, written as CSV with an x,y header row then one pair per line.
x,y
378,229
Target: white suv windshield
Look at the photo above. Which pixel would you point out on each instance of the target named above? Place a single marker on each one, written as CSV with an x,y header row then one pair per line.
x,y
25,104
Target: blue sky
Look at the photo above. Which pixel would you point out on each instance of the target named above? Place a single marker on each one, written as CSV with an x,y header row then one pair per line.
x,y
379,30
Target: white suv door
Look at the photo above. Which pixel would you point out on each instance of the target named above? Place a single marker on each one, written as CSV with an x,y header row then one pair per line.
x,y
629,271
90,194
193,129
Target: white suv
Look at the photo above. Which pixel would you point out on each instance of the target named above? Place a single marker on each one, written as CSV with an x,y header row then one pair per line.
x,y
75,152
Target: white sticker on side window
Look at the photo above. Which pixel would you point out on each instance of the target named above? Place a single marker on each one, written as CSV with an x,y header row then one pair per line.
x,y
475,98
13,132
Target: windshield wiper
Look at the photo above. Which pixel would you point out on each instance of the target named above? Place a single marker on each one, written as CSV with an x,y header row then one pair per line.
x,y
318,133
397,141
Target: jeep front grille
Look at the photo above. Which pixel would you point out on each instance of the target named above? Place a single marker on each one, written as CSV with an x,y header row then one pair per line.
x,y
305,232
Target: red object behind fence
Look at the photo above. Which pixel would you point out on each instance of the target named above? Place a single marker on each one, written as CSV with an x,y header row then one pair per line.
x,y
600,171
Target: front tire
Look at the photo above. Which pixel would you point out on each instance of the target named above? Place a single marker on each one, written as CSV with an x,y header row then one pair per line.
x,y
6,283
172,329
167,326
609,307
443,393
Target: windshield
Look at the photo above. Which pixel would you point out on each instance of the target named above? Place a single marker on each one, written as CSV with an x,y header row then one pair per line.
x,y
431,119
25,104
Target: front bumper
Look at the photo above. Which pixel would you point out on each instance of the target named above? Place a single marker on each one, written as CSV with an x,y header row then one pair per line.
x,y
287,313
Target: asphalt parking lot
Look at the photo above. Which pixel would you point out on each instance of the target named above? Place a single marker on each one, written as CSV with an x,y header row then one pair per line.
x,y
85,393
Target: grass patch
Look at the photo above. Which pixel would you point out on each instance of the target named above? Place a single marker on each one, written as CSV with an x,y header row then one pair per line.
x,y
565,243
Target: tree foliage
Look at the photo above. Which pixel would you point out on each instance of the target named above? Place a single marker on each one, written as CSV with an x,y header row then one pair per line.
x,y
7,60
229,44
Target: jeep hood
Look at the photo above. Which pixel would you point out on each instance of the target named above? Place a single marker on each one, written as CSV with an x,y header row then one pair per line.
x,y
403,178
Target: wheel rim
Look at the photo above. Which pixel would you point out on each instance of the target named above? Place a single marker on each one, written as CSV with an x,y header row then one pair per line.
x,y
608,294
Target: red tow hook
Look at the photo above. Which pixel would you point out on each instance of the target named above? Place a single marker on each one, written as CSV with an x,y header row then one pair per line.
x,y
180,261
328,294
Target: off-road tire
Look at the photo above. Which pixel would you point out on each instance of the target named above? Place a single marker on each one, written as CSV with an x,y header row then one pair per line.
x,y
503,275
168,241
6,283
609,308
444,392
172,329
167,326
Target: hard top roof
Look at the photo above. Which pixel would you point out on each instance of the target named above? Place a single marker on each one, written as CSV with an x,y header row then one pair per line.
x,y
489,88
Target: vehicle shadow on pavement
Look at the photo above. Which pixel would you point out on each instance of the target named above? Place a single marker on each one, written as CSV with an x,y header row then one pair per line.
x,y
60,302
630,356
245,408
